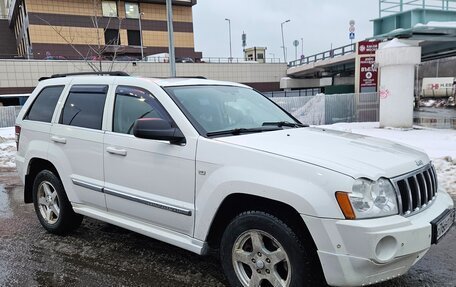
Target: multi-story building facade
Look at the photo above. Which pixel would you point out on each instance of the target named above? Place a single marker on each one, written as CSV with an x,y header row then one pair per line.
x,y
76,29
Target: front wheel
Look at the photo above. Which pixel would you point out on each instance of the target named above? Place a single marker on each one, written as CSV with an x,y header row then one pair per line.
x,y
258,249
52,206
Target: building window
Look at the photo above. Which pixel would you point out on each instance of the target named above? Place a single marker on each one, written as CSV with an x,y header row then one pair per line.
x,y
131,10
109,8
134,38
260,56
112,37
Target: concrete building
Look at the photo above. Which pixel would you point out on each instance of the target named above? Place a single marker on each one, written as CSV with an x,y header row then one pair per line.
x,y
76,29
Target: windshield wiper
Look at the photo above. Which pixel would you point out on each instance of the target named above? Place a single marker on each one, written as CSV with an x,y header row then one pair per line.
x,y
242,131
285,124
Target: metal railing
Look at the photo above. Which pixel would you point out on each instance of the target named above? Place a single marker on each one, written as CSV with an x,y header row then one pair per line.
x,y
329,109
122,58
220,60
347,49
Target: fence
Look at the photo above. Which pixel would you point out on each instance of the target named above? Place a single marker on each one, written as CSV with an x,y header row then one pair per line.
x,y
341,51
294,93
329,109
8,116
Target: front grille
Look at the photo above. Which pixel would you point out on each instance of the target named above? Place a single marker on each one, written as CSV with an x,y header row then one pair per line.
x,y
416,190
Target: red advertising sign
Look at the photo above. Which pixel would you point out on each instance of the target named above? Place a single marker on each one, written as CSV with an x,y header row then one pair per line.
x,y
367,47
369,73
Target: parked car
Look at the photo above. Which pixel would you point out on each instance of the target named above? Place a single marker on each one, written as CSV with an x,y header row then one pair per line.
x,y
55,58
157,58
126,58
185,60
207,165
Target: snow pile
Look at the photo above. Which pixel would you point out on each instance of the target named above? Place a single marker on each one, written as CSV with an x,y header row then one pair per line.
x,y
443,24
439,144
7,148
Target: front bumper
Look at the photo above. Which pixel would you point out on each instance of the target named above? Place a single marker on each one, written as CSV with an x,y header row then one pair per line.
x,y
364,252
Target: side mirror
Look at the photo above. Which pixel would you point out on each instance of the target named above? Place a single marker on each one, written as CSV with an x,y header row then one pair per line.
x,y
157,129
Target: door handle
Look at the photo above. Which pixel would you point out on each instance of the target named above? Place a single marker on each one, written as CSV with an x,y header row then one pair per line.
x,y
58,139
113,150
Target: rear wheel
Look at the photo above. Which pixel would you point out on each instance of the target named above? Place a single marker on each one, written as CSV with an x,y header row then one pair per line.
x,y
258,249
52,206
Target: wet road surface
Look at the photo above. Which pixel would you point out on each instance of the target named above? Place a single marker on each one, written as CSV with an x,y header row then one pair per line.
x,y
100,254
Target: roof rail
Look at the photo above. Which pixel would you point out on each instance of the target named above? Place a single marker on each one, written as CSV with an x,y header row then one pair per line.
x,y
182,77
116,73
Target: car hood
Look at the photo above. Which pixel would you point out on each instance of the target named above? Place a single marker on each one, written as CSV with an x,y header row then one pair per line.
x,y
352,154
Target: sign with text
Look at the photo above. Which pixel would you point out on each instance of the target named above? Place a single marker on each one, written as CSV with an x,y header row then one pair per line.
x,y
367,47
368,74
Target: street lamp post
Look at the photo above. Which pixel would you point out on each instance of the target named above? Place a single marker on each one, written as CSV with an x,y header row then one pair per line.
x,y
141,36
283,41
172,57
229,27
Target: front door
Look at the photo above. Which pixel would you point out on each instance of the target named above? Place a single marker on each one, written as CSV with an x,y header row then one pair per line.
x,y
147,180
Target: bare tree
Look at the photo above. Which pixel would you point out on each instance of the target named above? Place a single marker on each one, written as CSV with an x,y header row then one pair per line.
x,y
95,53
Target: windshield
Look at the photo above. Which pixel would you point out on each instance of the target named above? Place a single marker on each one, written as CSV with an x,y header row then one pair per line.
x,y
227,108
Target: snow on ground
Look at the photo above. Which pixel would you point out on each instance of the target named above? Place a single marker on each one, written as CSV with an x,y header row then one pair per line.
x,y
439,144
7,148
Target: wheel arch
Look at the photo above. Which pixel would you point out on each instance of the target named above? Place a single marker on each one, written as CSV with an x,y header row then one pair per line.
x,y
35,166
237,203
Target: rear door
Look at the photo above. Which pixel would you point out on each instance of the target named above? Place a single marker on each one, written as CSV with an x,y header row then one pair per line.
x,y
77,141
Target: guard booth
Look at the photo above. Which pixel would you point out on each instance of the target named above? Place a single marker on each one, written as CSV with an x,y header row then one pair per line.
x,y
257,54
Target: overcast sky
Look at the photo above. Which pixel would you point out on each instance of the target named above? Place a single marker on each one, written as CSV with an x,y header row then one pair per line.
x,y
319,22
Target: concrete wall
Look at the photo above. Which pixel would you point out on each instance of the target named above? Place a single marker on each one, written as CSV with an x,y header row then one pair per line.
x,y
16,76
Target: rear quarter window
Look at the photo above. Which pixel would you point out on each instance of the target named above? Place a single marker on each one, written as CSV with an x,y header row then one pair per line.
x,y
43,106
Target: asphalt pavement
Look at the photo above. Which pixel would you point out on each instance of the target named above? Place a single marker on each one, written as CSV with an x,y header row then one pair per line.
x,y
100,254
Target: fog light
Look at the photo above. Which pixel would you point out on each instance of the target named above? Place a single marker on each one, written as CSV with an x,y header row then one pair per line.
x,y
386,248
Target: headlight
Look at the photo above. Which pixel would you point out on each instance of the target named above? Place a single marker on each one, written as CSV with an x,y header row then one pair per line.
x,y
369,199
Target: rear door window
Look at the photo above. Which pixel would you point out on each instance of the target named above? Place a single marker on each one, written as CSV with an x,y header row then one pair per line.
x,y
84,106
43,107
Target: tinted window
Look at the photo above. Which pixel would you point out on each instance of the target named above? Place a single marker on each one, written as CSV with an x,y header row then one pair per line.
x,y
43,107
84,107
134,103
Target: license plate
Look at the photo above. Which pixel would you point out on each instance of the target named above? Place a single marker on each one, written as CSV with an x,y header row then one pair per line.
x,y
442,224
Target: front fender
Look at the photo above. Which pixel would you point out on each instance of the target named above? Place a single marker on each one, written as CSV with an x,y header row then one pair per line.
x,y
311,193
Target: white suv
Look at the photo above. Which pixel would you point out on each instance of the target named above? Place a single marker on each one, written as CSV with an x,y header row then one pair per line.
x,y
207,165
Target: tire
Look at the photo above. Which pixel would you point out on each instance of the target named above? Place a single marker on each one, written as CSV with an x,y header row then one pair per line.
x,y
52,206
258,249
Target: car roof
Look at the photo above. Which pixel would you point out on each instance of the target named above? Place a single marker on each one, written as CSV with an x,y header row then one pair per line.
x,y
162,82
